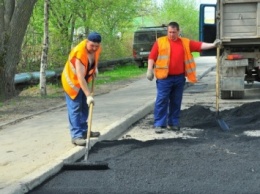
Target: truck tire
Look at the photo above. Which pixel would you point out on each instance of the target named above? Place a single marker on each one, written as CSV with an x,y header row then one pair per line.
x,y
225,94
238,94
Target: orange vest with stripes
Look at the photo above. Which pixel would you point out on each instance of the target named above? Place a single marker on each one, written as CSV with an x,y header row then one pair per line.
x,y
69,78
161,68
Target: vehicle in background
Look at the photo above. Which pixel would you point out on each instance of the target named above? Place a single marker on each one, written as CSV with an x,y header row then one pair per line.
x,y
237,24
144,39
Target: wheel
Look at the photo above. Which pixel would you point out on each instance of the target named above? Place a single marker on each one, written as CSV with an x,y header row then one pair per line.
x,y
238,94
140,64
225,94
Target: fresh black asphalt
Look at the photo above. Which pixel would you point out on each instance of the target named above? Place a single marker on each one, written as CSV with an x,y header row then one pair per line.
x,y
212,162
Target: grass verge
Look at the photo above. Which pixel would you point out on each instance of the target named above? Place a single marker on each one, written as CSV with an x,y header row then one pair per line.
x,y
114,74
118,73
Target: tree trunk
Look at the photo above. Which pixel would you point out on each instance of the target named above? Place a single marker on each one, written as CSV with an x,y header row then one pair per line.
x,y
44,57
14,18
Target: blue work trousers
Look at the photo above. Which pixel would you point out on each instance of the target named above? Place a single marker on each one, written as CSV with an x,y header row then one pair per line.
x,y
168,100
78,115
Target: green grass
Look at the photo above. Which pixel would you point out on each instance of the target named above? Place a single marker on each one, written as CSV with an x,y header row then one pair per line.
x,y
196,54
119,73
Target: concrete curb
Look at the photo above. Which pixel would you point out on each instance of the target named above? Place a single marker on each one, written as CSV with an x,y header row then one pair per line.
x,y
116,129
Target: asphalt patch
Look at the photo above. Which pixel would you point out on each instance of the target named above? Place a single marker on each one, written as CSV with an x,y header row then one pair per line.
x,y
213,162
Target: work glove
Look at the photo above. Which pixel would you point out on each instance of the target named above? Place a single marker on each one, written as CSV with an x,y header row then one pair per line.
x,y
217,42
90,100
149,74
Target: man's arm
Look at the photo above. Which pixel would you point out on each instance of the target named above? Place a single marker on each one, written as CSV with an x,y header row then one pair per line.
x,y
150,64
206,46
151,59
80,71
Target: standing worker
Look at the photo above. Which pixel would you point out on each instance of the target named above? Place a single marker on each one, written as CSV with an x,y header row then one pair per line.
x,y
79,70
171,60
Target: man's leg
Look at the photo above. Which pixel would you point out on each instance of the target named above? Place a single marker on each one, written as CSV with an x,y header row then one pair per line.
x,y
84,120
77,118
161,103
84,116
175,100
73,107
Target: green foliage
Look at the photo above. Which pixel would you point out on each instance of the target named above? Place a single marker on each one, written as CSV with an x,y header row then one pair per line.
x,y
70,21
196,54
182,11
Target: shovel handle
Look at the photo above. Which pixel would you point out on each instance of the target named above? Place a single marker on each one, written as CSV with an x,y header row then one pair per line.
x,y
217,79
90,113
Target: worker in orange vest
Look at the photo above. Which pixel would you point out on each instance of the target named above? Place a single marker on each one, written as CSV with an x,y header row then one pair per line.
x,y
79,70
170,60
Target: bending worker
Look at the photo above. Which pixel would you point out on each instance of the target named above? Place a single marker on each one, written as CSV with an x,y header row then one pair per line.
x,y
79,70
171,60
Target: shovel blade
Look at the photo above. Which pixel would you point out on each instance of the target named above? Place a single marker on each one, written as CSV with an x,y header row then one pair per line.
x,y
223,125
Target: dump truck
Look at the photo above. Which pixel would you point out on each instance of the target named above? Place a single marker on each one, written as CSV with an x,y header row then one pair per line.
x,y
237,24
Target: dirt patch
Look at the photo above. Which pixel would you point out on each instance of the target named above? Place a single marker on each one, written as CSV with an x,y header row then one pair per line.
x,y
29,102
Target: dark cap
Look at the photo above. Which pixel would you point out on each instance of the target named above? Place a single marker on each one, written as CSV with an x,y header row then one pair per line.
x,y
94,37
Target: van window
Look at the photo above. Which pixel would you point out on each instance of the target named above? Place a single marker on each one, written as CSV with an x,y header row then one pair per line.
x,y
143,37
161,33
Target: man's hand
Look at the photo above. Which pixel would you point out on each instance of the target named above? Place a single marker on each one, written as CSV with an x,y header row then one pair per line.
x,y
90,100
217,42
149,74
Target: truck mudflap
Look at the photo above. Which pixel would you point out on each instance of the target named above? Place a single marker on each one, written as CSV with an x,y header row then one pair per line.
x,y
233,78
232,83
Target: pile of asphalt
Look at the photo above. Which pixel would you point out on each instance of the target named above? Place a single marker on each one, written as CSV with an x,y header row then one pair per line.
x,y
244,117
213,162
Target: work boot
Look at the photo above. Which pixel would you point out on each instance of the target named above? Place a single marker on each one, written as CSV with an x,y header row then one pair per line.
x,y
158,130
173,128
79,141
92,134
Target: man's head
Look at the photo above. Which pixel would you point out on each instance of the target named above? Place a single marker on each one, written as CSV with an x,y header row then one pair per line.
x,y
93,43
173,30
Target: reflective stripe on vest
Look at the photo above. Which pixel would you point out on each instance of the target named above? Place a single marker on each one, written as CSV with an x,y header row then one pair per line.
x,y
69,81
190,65
161,67
162,58
188,62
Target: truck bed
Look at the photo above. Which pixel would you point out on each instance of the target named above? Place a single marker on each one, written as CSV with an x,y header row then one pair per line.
x,y
239,21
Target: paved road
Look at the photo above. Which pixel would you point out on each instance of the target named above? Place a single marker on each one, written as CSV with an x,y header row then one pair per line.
x,y
199,159
35,149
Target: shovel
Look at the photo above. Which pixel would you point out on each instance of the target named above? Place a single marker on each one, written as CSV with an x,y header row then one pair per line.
x,y
220,121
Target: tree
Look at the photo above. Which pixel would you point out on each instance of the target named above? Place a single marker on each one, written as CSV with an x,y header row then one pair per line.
x,y
44,56
115,17
14,18
62,16
184,12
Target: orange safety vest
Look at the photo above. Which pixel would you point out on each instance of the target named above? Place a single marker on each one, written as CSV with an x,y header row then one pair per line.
x,y
69,78
161,68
